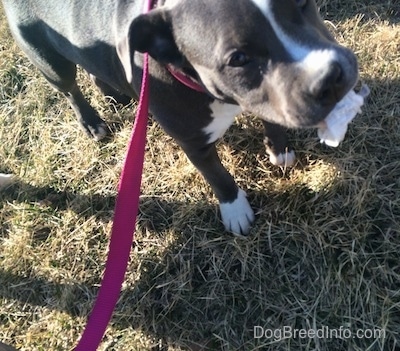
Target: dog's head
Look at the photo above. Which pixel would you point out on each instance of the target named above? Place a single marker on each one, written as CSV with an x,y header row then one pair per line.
x,y
274,58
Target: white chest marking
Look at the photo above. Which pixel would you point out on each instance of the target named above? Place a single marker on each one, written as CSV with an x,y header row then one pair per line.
x,y
223,116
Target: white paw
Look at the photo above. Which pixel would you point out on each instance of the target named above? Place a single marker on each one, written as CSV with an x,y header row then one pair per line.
x,y
100,133
237,216
284,160
5,179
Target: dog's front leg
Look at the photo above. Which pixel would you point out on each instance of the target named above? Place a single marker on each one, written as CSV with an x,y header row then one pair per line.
x,y
277,145
237,215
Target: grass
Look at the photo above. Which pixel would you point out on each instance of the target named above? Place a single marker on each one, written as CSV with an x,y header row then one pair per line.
x,y
324,251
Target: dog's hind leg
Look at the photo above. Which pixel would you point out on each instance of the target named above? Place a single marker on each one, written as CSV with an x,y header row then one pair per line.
x,y
87,117
110,93
61,74
64,80
277,145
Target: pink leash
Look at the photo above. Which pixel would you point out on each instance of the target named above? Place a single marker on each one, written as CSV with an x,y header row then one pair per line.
x,y
122,235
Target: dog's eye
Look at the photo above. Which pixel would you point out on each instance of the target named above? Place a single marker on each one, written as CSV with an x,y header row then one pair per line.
x,y
301,3
238,59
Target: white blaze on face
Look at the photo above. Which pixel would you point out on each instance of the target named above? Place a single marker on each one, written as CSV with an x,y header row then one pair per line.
x,y
296,50
311,60
317,60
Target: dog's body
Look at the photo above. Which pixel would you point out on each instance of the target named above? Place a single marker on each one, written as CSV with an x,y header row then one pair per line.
x,y
273,58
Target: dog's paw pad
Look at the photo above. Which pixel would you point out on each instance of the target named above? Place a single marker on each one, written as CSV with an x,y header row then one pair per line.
x,y
283,160
237,216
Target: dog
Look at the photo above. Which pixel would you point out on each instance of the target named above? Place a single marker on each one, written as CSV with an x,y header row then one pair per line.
x,y
273,58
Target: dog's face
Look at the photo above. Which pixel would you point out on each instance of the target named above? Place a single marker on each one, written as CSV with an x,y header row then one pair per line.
x,y
274,58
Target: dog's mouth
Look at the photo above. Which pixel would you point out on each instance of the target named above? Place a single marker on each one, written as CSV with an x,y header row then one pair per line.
x,y
304,93
187,77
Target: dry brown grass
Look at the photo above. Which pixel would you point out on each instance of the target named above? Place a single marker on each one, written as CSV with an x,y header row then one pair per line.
x,y
324,250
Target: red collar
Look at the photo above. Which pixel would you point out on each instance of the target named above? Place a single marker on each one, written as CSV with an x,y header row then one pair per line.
x,y
185,79
179,75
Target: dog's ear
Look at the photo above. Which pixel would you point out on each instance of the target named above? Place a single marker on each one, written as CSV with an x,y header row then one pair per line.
x,y
151,33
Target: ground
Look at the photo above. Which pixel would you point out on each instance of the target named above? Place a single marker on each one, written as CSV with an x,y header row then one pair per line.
x,y
323,253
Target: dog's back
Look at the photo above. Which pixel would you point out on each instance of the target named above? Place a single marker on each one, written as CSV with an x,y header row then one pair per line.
x,y
81,32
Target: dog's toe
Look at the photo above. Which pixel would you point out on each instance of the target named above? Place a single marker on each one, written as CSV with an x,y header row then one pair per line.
x,y
237,216
100,132
96,131
92,124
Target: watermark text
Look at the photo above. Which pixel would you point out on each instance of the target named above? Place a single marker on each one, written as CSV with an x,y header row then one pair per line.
x,y
288,332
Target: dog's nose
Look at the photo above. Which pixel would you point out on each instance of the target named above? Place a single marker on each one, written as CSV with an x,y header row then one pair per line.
x,y
331,85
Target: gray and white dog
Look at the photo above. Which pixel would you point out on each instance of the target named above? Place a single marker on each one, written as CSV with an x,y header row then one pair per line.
x,y
273,58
